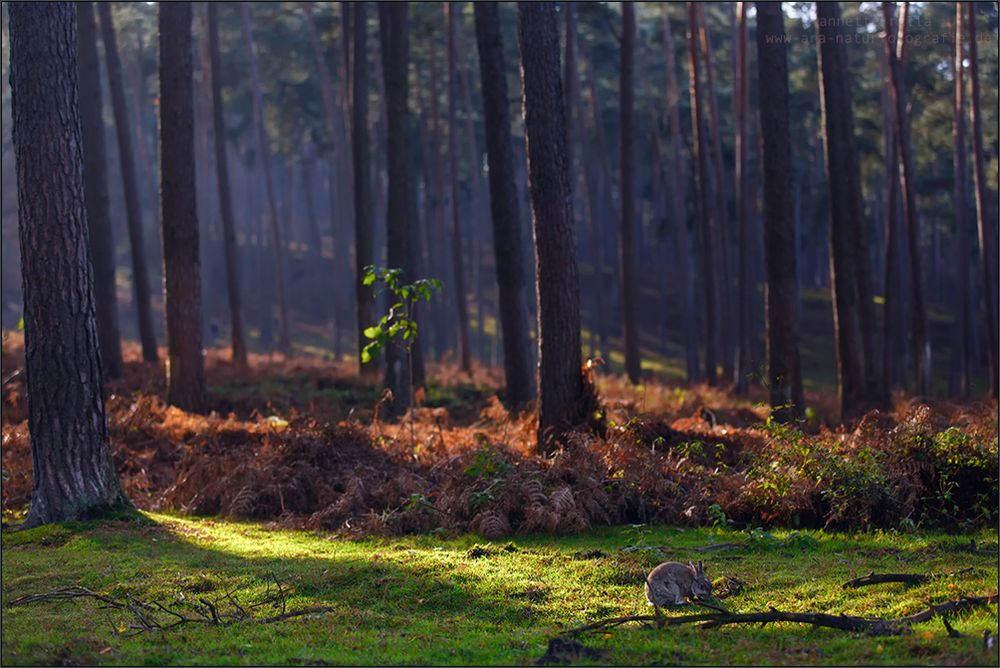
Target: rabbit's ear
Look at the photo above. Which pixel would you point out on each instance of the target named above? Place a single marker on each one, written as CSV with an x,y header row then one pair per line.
x,y
694,569
701,568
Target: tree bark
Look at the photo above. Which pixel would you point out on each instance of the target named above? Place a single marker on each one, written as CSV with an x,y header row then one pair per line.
x,y
784,371
983,213
461,303
95,181
963,307
633,359
720,234
508,248
678,192
742,369
557,285
362,180
846,211
264,153
239,346
133,207
922,347
706,210
394,32
178,212
72,470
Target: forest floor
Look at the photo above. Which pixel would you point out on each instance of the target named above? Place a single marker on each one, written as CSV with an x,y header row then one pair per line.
x,y
446,599
461,545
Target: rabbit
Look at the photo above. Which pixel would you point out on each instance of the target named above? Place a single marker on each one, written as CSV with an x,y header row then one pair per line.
x,y
672,583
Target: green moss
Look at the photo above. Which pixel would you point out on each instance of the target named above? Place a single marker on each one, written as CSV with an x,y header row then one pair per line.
x,y
423,599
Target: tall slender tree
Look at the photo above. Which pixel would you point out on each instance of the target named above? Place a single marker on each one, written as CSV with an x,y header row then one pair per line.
x,y
983,214
72,470
239,346
742,368
264,155
921,342
133,206
628,259
394,32
95,182
847,264
963,307
706,209
784,370
461,303
560,385
507,245
678,191
362,177
178,211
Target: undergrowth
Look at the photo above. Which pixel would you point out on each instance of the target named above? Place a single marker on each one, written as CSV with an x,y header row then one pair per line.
x,y
296,441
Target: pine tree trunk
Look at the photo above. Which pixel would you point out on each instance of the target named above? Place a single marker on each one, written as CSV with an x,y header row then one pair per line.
x,y
983,213
507,244
784,371
461,303
743,369
559,377
362,180
95,181
629,263
178,212
720,234
846,210
706,210
264,154
72,471
133,206
394,33
922,347
963,308
239,346
678,192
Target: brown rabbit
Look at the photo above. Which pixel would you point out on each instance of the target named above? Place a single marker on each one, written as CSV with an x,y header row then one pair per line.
x,y
673,583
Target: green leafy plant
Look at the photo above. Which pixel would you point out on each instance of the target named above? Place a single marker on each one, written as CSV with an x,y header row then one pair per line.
x,y
398,325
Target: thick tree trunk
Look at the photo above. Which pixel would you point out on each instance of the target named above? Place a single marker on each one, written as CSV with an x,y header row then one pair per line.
x,y
178,212
95,181
239,346
461,302
72,470
678,192
133,207
963,307
983,213
784,371
559,377
921,342
394,32
706,210
264,154
629,264
742,368
846,211
444,322
362,180
507,245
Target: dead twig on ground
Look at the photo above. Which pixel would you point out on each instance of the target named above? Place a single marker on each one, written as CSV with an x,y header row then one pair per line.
x,y
871,626
906,578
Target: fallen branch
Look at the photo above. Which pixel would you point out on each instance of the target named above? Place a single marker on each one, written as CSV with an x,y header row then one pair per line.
x,y
666,549
871,626
906,578
155,616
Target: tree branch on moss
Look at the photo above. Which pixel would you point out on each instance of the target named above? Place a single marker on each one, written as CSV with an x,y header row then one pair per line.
x,y
906,578
155,616
871,626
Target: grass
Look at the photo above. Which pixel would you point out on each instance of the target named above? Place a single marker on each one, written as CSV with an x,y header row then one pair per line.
x,y
431,599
